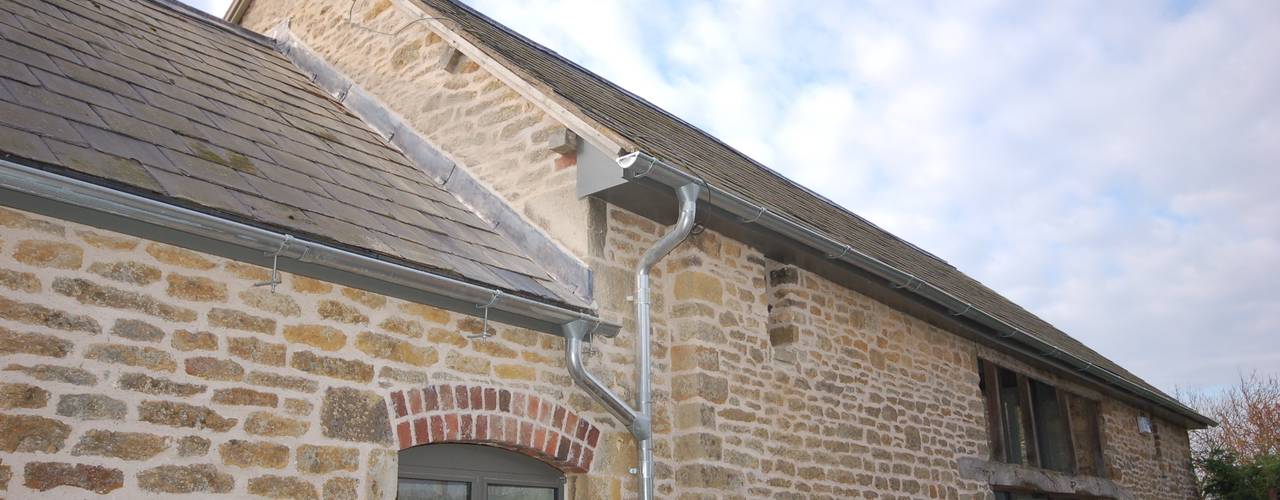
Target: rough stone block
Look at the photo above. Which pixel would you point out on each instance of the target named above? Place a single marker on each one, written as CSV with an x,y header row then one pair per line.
x,y
122,445
143,357
134,273
355,415
325,459
356,371
196,288
53,254
319,336
12,342
390,348
29,433
91,407
245,397
90,293
185,340
178,479
44,476
36,314
54,373
22,396
257,351
242,453
282,487
137,330
183,415
237,320
214,369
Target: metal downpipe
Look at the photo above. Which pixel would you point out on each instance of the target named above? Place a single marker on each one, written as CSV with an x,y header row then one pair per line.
x,y
688,196
574,333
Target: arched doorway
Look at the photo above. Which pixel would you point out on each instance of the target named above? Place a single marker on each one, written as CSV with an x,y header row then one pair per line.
x,y
475,472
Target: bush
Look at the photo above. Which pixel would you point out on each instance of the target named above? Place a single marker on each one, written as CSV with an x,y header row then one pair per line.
x,y
1224,476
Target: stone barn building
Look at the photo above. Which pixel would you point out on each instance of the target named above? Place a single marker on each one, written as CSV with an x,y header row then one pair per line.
x,y
354,249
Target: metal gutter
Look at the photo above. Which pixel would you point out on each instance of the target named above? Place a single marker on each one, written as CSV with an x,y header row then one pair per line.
x,y
81,201
640,165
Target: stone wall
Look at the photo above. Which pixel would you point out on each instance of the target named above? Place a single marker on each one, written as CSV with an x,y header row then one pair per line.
x,y
132,367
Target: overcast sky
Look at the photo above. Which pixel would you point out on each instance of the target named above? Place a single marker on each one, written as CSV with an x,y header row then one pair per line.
x,y
1111,166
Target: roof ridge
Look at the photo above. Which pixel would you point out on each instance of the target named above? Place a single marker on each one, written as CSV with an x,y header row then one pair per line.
x,y
213,21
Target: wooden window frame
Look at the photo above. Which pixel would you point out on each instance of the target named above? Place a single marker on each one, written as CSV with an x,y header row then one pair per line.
x,y
989,373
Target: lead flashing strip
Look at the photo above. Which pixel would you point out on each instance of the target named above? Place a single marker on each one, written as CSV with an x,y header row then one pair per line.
x,y
563,266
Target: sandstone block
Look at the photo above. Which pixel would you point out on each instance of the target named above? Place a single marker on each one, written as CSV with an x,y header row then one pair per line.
x,y
90,293
12,342
443,336
368,299
44,476
468,364
266,424
712,388
516,372
278,381
340,488
29,433
214,369
354,415
199,478
304,284
36,314
406,327
53,373
325,459
318,336
107,241
356,371
20,281
242,453
185,340
428,313
282,487
134,273
247,271
193,446
391,348
693,285
22,396
406,376
18,220
157,386
257,351
343,313
180,257
54,254
245,397
143,357
196,288
266,300
237,320
183,415
300,407
137,330
91,407
122,445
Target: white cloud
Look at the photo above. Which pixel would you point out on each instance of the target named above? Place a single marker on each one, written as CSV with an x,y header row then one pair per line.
x,y
215,7
1110,166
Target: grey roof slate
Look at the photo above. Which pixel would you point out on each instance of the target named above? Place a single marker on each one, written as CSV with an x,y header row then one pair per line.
x,y
158,99
663,135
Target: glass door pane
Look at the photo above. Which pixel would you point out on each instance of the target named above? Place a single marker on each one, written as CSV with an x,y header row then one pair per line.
x,y
500,492
425,489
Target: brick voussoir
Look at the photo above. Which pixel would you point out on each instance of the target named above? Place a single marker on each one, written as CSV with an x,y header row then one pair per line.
x,y
513,420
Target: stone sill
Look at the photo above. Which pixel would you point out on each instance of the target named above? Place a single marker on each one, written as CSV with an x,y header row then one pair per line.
x,y
1015,477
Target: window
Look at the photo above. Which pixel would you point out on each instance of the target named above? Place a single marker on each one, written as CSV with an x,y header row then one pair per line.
x,y
472,472
1033,423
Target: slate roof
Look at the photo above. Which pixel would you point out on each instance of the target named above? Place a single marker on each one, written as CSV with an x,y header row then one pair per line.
x,y
667,137
161,100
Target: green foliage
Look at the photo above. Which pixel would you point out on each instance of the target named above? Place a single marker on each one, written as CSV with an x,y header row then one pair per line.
x,y
1224,476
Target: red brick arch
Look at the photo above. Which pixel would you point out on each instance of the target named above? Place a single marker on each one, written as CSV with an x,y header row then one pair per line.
x,y
514,420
